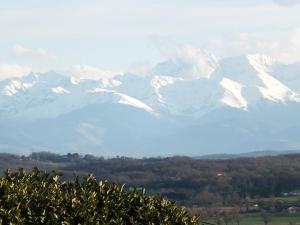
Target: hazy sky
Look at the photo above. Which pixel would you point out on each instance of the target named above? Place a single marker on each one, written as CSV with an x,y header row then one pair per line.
x,y
101,35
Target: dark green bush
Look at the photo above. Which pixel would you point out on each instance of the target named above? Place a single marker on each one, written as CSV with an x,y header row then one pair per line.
x,y
41,198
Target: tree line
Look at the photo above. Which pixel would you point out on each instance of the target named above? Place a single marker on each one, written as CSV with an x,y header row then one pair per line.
x,y
189,181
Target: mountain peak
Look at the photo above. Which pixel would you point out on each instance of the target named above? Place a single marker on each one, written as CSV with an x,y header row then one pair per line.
x,y
184,103
176,87
263,60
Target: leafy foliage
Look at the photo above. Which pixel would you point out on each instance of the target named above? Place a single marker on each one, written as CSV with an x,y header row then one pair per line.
x,y
41,198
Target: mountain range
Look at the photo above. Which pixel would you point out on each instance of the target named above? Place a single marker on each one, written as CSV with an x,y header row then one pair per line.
x,y
180,107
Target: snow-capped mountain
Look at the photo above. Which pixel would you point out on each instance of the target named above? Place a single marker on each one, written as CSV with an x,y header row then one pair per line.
x,y
192,107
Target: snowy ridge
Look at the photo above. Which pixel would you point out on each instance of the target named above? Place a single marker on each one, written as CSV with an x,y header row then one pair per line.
x,y
124,99
233,94
14,86
60,90
274,90
176,87
193,106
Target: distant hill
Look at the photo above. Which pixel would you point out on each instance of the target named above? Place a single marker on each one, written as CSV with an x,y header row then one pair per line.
x,y
189,181
248,154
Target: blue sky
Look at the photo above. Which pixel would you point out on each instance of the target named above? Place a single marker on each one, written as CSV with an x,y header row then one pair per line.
x,y
104,35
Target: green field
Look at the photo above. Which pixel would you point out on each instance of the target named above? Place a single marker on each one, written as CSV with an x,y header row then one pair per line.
x,y
289,199
277,219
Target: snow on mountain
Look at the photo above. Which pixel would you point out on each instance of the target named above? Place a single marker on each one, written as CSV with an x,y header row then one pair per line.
x,y
180,103
273,89
233,94
253,73
14,86
124,99
238,82
50,95
60,90
287,74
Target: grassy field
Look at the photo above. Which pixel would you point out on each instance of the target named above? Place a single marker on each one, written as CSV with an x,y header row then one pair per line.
x,y
289,199
277,219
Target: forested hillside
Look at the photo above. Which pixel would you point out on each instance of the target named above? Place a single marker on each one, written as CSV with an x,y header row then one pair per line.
x,y
191,182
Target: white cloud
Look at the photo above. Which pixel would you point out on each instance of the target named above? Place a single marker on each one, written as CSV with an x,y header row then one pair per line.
x,y
79,26
21,51
285,49
239,44
194,62
289,50
13,70
204,63
89,72
140,68
287,2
